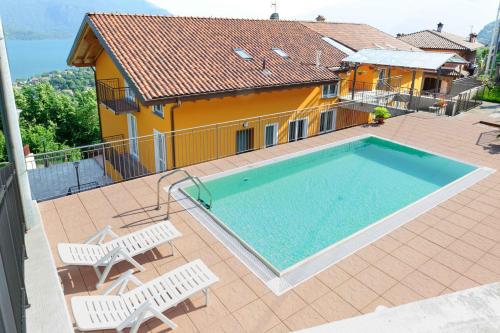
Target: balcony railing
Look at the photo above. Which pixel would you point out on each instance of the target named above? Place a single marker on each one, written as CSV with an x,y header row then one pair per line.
x,y
118,99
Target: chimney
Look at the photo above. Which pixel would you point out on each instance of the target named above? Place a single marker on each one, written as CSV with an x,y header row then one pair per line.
x,y
399,35
472,37
440,27
318,58
274,16
320,18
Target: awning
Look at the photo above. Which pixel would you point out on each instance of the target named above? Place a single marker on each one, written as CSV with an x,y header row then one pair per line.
x,y
407,59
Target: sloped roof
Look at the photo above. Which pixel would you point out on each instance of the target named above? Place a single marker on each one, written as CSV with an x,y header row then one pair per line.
x,y
167,57
358,36
407,59
432,39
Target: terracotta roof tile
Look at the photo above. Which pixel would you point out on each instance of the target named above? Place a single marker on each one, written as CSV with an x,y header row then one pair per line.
x,y
358,36
432,39
167,56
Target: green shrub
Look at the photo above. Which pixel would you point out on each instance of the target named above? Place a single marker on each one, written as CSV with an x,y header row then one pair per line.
x,y
381,112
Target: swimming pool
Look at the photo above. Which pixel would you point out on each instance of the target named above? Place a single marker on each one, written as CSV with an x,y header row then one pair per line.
x,y
289,211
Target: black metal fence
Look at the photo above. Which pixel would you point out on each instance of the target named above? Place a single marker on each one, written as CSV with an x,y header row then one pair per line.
x,y
12,252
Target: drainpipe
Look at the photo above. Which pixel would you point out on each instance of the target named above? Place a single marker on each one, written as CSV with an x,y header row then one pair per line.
x,y
98,102
10,121
354,80
172,129
412,87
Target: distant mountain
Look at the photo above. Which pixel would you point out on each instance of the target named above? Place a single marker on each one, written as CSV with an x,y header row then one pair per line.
x,y
37,19
484,36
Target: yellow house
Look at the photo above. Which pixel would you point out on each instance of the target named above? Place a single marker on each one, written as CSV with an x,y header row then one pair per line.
x,y
167,81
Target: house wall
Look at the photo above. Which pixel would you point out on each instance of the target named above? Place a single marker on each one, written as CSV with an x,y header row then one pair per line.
x,y
367,77
192,147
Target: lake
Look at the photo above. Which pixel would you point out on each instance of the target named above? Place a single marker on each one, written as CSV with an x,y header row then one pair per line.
x,y
32,57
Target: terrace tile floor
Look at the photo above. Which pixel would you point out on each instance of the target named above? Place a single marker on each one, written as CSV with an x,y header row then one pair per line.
x,y
452,247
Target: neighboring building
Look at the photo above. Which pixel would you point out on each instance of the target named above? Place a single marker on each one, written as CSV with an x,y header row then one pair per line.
x,y
402,65
441,41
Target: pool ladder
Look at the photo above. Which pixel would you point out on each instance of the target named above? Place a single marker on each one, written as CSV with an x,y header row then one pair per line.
x,y
187,176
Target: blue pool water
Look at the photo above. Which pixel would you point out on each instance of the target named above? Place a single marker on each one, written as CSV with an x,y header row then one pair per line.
x,y
290,210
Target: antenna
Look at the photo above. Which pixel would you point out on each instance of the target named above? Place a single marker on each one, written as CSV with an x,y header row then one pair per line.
x,y
275,5
471,28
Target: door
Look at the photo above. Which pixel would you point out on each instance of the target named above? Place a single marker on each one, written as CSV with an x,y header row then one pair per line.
x,y
160,151
129,93
271,135
297,129
327,121
132,135
244,140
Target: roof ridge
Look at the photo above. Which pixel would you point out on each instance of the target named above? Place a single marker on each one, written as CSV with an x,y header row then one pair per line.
x,y
189,17
331,22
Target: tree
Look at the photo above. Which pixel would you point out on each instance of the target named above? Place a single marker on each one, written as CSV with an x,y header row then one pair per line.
x,y
3,148
61,119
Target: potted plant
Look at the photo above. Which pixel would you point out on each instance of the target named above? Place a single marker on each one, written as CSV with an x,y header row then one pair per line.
x,y
381,113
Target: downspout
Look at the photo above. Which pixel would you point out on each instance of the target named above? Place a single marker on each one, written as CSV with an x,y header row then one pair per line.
x,y
412,87
98,103
172,130
354,80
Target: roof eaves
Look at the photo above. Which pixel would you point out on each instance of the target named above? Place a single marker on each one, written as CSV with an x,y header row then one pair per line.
x,y
117,63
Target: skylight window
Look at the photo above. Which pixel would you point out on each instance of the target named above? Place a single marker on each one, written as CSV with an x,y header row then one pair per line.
x,y
337,45
281,53
243,54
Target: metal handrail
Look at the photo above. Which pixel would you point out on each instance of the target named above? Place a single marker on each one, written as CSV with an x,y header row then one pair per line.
x,y
195,180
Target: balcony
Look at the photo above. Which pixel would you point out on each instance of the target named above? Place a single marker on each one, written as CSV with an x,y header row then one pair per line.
x,y
120,100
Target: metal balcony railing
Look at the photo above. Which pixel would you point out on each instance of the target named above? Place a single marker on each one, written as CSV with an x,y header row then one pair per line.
x,y
118,99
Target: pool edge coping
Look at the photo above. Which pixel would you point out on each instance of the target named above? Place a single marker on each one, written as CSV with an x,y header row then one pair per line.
x,y
346,246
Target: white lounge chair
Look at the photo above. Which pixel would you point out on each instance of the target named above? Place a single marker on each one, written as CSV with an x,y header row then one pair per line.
x,y
118,249
149,300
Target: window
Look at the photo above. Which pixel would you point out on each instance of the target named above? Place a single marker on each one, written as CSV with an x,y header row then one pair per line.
x,y
281,53
330,90
327,120
271,135
297,129
158,110
244,140
243,54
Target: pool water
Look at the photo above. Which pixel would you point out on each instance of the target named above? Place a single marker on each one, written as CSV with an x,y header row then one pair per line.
x,y
289,210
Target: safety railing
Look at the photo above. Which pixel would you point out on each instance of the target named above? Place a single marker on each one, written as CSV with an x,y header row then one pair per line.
x,y
13,298
118,99
68,171
187,177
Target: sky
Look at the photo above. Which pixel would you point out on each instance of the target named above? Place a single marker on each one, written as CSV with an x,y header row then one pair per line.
x,y
392,16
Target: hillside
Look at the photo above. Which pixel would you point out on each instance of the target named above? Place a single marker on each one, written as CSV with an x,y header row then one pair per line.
x,y
484,36
37,19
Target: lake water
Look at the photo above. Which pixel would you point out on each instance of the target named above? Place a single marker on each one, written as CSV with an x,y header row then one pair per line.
x,y
32,57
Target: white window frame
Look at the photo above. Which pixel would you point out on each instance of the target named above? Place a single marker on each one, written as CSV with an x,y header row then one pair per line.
x,y
157,134
333,124
129,93
159,113
329,94
275,138
306,129
133,139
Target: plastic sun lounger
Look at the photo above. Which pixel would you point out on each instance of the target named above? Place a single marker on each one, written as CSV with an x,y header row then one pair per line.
x,y
118,249
149,300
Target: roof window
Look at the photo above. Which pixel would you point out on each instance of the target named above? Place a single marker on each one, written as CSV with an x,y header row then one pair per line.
x,y
281,53
243,54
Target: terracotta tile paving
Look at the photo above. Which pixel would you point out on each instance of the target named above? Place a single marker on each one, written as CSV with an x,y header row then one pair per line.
x,y
454,246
